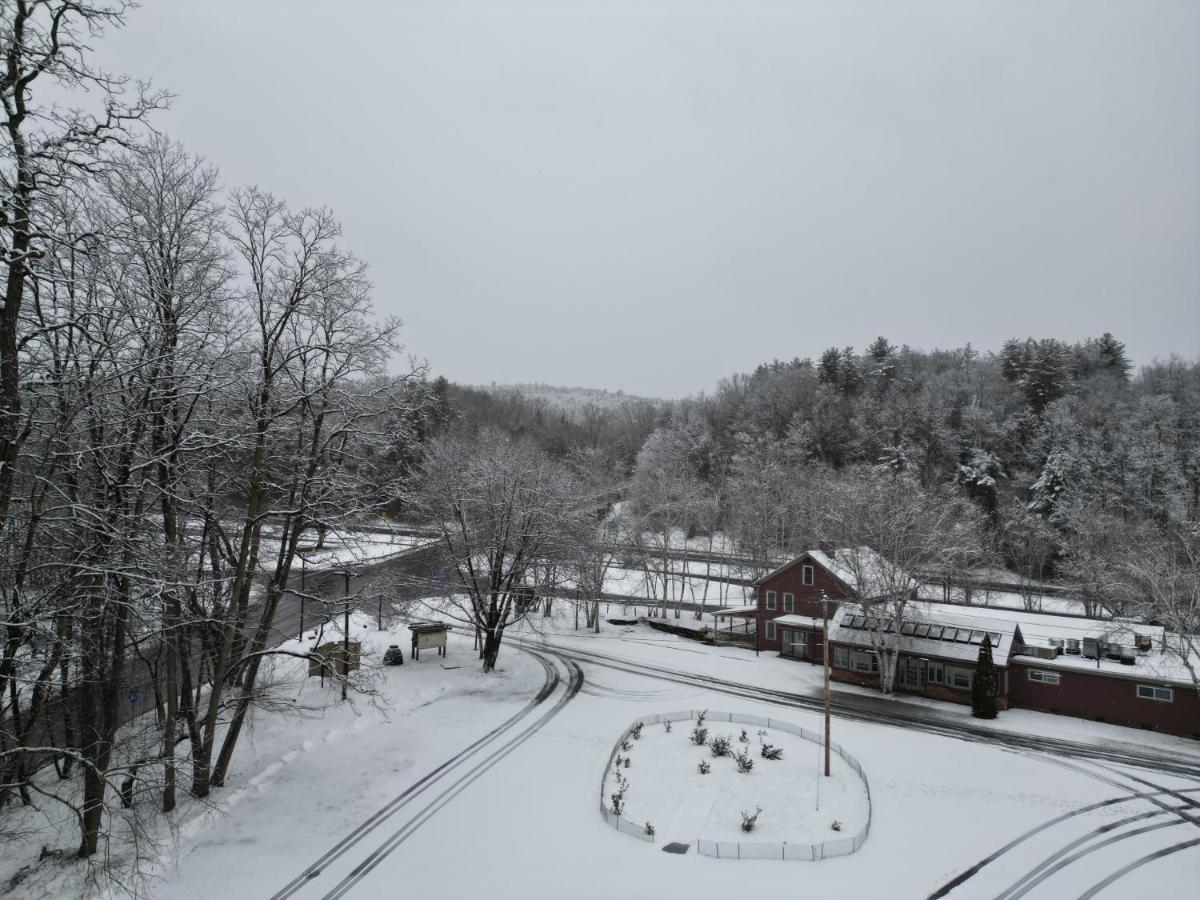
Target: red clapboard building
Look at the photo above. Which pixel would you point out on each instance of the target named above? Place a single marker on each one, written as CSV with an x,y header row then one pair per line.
x,y
1096,669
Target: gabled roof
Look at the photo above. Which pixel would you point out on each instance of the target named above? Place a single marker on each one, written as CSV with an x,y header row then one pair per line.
x,y
849,565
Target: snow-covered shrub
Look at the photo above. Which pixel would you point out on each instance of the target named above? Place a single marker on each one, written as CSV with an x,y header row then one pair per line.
x,y
743,737
699,736
628,761
617,798
704,767
745,762
749,821
720,746
619,761
700,717
770,751
667,726
836,826
649,829
636,731
626,746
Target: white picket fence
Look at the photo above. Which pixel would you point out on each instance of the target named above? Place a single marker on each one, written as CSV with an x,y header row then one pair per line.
x,y
737,849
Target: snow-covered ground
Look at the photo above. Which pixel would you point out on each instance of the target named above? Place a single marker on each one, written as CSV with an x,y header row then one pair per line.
x,y
519,817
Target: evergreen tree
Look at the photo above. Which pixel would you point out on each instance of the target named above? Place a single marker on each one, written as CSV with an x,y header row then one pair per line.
x,y
829,368
983,687
1112,356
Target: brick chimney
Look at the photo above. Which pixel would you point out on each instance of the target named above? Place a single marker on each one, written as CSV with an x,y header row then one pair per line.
x,y
828,548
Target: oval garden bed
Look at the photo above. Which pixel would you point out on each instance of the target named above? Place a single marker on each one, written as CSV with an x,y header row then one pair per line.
x,y
735,786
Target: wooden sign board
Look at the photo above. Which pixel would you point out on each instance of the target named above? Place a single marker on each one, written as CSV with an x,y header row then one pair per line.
x,y
430,640
328,658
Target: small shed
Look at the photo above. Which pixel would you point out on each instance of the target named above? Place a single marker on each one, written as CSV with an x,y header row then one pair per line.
x,y
428,636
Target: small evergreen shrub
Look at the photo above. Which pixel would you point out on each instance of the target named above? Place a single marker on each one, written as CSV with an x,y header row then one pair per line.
x,y
704,767
720,746
745,762
770,751
667,726
649,829
700,717
749,821
617,798
626,746
636,731
743,737
699,736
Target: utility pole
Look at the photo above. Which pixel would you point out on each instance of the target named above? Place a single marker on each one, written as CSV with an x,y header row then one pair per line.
x,y
303,590
825,613
346,638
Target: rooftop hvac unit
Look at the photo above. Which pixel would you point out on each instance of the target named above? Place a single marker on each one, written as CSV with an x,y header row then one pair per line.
x,y
1114,651
1144,643
1093,647
1073,646
1042,652
1128,657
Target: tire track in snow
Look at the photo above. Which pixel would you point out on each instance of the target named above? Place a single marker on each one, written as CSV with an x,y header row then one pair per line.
x,y
414,790
398,837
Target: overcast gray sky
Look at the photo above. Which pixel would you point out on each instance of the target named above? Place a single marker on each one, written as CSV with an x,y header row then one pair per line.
x,y
652,195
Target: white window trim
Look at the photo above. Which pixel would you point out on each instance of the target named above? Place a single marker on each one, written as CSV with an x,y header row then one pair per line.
x,y
1041,676
844,654
789,602
1154,689
806,574
951,671
770,600
771,630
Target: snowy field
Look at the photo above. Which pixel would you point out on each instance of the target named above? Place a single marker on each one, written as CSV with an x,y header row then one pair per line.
x,y
517,815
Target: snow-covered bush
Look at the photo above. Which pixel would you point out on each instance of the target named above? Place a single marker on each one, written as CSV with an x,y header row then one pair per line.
x,y
745,762
667,726
743,737
770,751
626,746
720,746
836,826
649,829
617,798
699,736
636,731
700,717
704,767
749,821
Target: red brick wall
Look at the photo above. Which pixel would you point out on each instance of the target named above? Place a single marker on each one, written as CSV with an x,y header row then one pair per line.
x,y
1104,699
808,596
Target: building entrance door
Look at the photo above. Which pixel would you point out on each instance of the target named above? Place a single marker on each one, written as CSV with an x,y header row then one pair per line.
x,y
910,674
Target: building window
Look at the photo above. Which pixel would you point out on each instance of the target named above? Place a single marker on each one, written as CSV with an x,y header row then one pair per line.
x,y
1150,692
1043,677
771,630
959,678
770,599
935,673
841,658
789,602
806,574
864,662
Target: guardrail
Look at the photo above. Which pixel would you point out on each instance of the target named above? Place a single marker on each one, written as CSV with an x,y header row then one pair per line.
x,y
737,849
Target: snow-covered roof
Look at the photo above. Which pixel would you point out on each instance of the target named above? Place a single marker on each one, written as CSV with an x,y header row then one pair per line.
x,y
940,635
736,611
859,568
798,621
